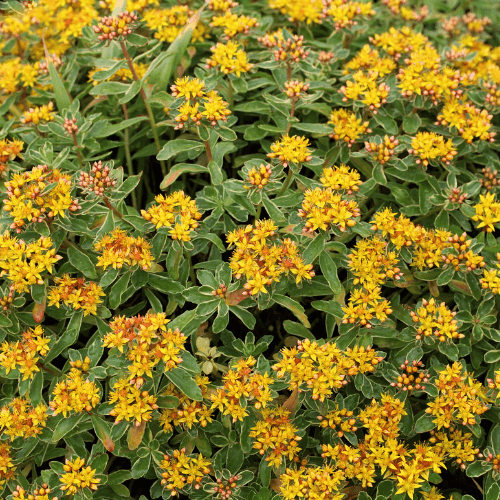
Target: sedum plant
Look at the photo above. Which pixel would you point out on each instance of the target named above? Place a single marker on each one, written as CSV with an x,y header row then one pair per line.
x,y
248,250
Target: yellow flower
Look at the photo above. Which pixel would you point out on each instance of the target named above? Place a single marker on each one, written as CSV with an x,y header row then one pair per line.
x,y
78,477
291,150
229,58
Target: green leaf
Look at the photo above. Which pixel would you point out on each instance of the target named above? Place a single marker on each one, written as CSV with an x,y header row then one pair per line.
x,y
215,173
329,270
297,330
110,88
411,123
442,221
492,356
272,210
162,68
61,95
81,262
314,249
235,457
165,284
68,338
66,425
177,146
103,432
478,468
117,127
424,423
141,466
387,123
246,317
264,473
294,307
446,276
183,381
115,295
314,128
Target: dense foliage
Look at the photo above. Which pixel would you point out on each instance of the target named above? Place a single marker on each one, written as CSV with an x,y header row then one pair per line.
x,y
248,250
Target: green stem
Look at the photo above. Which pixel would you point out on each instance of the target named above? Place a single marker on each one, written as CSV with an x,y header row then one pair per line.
x,y
292,114
146,103
286,183
208,150
230,98
192,274
259,210
128,156
112,208
78,153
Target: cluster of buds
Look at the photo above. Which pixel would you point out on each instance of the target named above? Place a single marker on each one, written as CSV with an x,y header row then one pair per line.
x,y
326,57
113,27
225,490
84,365
463,256
383,152
98,180
43,66
494,459
7,300
493,95
259,177
294,88
290,50
340,418
450,25
456,196
490,179
412,377
41,493
474,24
220,292
70,126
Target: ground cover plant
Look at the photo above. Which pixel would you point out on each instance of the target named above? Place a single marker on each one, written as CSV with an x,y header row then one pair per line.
x,y
248,250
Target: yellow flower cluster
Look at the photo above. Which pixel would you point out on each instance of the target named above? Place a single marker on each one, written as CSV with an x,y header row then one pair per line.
x,y
461,398
296,10
77,477
275,436
461,258
294,88
491,278
24,263
345,14
77,293
121,75
181,470
74,393
347,126
456,444
40,493
369,59
22,354
396,42
383,151
315,483
188,412
26,201
198,104
263,259
9,150
130,403
20,418
111,27
323,368
229,58
437,320
221,5
241,381
424,76
233,24
339,420
7,469
168,23
341,178
412,377
487,212
146,341
364,305
289,51
429,146
39,114
382,418
365,87
259,177
118,249
291,150
470,121
325,209
177,211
